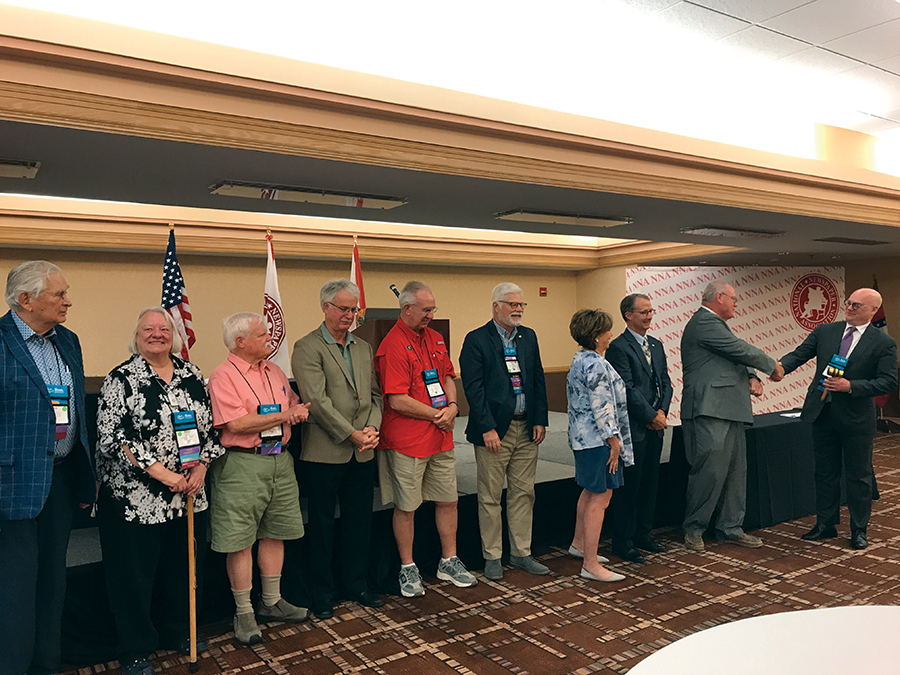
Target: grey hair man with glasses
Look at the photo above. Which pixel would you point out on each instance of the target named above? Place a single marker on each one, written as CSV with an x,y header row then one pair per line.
x,y
503,378
640,360
416,459
719,378
841,408
335,374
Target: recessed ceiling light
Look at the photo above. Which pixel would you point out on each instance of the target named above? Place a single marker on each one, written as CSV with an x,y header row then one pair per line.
x,y
577,219
286,193
18,168
715,231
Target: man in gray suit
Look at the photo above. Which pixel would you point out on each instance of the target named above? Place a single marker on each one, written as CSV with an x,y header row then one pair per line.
x,y
715,405
335,376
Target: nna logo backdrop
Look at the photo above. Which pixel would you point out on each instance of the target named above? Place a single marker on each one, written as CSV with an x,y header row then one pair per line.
x,y
777,308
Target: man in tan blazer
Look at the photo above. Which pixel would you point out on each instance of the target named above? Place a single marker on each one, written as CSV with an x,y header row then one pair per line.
x,y
335,376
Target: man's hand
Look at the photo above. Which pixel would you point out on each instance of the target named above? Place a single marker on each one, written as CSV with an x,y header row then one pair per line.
x,y
659,422
538,432
297,413
777,374
756,387
445,418
836,384
491,440
365,439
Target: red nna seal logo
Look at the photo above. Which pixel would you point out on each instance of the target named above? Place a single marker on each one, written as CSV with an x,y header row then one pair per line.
x,y
274,322
814,301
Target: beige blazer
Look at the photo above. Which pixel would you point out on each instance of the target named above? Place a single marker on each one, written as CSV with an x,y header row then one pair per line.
x,y
338,406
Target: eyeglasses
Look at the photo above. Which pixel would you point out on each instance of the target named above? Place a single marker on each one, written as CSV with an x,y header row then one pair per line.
x,y
853,305
515,305
425,310
343,310
645,312
733,298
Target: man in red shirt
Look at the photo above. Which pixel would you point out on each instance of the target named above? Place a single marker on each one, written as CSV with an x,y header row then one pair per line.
x,y
417,462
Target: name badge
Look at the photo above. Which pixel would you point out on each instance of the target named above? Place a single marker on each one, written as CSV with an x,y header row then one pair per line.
x,y
512,367
271,437
59,399
434,388
187,438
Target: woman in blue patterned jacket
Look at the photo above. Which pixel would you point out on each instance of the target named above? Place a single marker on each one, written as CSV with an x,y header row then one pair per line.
x,y
599,435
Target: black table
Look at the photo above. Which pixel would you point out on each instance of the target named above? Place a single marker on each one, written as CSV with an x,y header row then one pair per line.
x,y
780,483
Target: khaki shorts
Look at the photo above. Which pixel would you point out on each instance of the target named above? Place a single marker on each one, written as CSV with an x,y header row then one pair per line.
x,y
408,481
253,497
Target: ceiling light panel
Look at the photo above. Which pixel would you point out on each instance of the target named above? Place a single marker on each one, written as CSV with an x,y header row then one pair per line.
x,y
284,193
17,168
576,219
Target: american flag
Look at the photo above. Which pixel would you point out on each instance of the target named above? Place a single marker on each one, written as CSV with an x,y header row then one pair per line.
x,y
175,300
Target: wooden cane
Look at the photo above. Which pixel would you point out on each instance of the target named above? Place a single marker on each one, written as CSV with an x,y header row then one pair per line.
x,y
193,666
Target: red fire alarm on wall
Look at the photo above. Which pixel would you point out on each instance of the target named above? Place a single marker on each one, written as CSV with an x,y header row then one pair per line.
x,y
542,291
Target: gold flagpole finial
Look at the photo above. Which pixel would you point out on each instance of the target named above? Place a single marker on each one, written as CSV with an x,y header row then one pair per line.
x,y
354,238
171,227
268,231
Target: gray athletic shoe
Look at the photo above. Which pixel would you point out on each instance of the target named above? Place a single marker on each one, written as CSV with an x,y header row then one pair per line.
x,y
694,542
453,570
411,582
281,611
529,564
493,570
245,629
742,539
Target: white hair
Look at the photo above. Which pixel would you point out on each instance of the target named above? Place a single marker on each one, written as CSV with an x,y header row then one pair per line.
x,y
335,286
28,277
409,292
502,290
176,337
712,289
239,325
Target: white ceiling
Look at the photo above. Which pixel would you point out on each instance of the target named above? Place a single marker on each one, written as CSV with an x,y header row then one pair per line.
x,y
850,40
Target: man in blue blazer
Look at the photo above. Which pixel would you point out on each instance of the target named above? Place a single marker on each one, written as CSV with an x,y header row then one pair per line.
x,y
641,362
502,375
45,464
844,423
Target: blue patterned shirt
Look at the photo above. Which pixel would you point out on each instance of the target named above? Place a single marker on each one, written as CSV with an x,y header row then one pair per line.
x,y
53,371
598,408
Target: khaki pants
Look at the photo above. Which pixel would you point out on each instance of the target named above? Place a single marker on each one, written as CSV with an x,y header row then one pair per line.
x,y
515,463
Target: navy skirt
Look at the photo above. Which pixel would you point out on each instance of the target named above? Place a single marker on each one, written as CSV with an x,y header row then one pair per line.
x,y
592,472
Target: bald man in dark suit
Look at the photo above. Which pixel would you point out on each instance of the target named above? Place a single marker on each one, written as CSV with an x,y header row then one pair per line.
x,y
844,422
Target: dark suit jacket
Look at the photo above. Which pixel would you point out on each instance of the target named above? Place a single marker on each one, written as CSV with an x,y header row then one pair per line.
x,y
485,380
27,424
871,369
648,390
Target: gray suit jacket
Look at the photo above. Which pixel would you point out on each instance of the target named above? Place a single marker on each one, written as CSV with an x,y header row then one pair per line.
x,y
717,366
338,406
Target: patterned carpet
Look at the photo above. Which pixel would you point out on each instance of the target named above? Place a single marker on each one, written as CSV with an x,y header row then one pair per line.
x,y
564,624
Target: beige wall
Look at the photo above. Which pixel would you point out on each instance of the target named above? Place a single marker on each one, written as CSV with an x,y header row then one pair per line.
x,y
109,289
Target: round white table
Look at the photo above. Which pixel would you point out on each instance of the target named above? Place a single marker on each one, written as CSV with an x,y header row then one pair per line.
x,y
862,640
